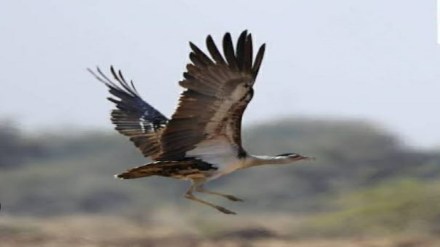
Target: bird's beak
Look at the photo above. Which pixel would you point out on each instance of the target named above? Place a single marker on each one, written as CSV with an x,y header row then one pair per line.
x,y
300,157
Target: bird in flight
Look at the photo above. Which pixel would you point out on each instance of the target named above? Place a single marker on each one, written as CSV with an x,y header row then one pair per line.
x,y
202,139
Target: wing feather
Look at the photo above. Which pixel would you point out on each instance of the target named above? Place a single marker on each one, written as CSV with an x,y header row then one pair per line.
x,y
239,54
199,54
258,60
133,117
215,53
228,49
218,89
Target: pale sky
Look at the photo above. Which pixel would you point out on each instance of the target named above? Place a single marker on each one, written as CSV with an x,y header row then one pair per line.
x,y
372,59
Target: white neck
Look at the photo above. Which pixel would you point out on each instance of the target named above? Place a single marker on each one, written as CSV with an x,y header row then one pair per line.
x,y
258,160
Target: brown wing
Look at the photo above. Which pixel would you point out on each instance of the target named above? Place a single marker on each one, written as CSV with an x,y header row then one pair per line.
x,y
134,117
218,89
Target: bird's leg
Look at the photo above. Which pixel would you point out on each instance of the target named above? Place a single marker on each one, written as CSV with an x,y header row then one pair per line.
x,y
189,195
229,197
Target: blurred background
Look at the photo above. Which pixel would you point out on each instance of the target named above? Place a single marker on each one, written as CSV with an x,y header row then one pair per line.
x,y
353,83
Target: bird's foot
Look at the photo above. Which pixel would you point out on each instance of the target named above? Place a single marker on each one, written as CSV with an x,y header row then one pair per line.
x,y
233,198
224,210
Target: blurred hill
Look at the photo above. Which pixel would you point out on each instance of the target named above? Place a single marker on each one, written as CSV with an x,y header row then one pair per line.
x,y
362,172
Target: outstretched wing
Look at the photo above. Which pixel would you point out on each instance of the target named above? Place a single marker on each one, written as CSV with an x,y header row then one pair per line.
x,y
218,89
133,117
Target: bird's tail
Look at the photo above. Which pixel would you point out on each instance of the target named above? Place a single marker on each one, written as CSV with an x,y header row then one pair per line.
x,y
150,169
177,169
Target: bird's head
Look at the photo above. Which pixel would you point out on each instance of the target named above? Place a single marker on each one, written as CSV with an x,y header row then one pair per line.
x,y
286,158
293,157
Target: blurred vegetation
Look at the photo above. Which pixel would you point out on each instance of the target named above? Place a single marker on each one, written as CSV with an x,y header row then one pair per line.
x,y
364,180
395,207
15,149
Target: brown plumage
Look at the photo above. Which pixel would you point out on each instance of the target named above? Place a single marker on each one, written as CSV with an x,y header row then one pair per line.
x,y
210,85
182,169
202,140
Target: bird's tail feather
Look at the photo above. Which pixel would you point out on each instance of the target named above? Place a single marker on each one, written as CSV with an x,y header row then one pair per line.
x,y
157,168
146,170
169,168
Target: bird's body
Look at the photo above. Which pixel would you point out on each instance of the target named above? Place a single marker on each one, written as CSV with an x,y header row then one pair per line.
x,y
202,140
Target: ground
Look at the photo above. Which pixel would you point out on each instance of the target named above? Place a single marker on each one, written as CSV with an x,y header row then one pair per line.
x,y
97,231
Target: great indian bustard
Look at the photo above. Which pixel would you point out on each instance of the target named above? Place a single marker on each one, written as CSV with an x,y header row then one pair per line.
x,y
202,140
